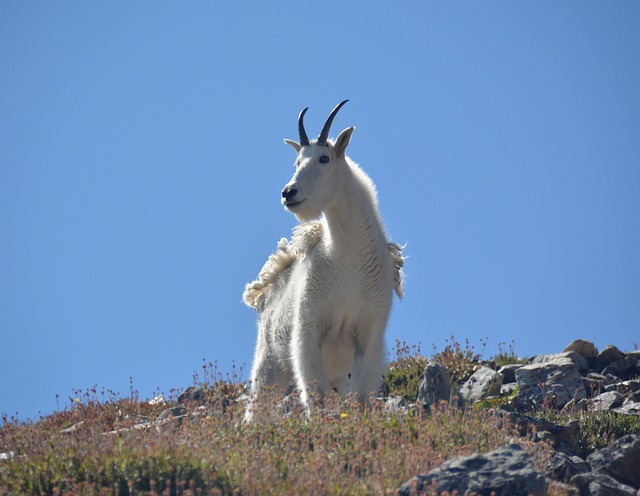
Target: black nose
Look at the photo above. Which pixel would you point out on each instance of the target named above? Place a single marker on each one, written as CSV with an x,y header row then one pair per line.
x,y
287,193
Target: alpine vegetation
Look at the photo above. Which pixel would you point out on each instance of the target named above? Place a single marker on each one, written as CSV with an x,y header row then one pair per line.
x,y
324,297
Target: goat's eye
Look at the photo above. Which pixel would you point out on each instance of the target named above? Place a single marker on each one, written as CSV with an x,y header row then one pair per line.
x,y
324,159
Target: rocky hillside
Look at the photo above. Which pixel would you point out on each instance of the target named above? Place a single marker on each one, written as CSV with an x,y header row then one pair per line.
x,y
601,384
559,424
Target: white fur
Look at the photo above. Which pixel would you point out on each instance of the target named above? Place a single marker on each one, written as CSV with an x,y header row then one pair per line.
x,y
324,297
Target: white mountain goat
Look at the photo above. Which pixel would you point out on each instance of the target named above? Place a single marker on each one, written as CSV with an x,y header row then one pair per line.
x,y
324,297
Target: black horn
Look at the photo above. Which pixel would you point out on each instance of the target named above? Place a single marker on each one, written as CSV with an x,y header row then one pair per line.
x,y
324,134
304,139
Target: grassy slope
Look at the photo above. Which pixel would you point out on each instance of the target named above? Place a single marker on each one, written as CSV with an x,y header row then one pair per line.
x,y
210,451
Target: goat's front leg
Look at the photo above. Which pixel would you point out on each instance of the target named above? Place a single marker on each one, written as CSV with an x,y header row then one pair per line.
x,y
308,368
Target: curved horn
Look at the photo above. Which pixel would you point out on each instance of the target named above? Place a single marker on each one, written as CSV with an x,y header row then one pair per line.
x,y
324,134
304,139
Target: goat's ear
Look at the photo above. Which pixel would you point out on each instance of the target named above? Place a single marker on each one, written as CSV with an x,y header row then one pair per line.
x,y
343,141
294,144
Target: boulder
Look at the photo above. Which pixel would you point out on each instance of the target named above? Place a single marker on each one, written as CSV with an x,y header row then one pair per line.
x,y
624,369
196,394
556,381
435,386
169,413
394,406
596,484
507,471
564,438
607,401
508,389
509,372
483,383
629,408
562,467
625,387
620,460
579,361
607,356
170,418
584,348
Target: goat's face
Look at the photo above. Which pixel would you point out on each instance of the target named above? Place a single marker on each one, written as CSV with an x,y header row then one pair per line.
x,y
319,168
319,172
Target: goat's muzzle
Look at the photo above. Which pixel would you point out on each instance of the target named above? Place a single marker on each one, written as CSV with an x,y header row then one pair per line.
x,y
289,197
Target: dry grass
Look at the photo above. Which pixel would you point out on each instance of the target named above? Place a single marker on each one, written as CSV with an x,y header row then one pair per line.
x,y
211,451
207,449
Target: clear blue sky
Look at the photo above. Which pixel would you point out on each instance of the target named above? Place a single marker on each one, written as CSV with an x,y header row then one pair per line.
x,y
141,163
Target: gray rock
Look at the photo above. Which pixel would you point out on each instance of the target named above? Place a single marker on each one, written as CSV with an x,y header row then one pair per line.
x,y
625,387
607,356
633,398
607,401
595,484
593,385
176,411
625,369
562,467
483,383
509,372
584,348
393,406
557,381
508,389
629,408
435,386
620,460
565,437
580,362
607,380
193,393
74,428
507,471
170,418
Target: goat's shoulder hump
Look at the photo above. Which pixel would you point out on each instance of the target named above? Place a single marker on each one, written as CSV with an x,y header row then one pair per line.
x,y
305,237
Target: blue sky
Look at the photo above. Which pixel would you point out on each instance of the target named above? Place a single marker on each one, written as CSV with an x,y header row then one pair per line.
x,y
141,164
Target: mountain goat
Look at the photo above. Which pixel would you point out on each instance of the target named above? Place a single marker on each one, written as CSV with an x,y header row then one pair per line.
x,y
324,297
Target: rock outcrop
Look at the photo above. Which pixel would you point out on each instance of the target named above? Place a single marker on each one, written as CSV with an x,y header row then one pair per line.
x,y
507,471
579,379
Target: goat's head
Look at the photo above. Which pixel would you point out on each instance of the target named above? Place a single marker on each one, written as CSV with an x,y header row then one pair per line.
x,y
319,167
